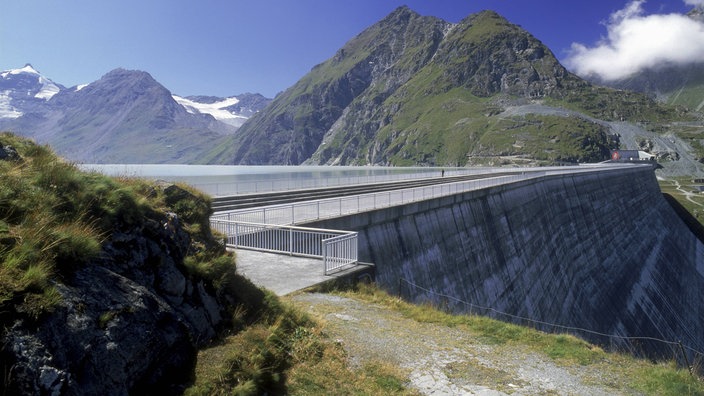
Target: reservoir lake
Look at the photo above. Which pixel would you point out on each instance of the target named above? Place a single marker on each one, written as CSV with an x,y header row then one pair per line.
x,y
220,180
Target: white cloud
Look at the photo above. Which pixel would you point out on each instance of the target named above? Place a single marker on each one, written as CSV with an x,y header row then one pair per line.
x,y
636,41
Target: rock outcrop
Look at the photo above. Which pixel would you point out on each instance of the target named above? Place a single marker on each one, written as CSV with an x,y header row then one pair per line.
x,y
8,153
129,322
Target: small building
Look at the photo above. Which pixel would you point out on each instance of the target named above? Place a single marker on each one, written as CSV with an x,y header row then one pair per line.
x,y
631,155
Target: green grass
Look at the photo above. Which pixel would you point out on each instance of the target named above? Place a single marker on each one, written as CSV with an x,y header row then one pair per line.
x,y
446,128
692,134
54,219
692,202
687,202
49,224
691,96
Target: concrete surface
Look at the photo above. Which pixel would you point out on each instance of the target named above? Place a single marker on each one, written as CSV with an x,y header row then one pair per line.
x,y
284,274
603,251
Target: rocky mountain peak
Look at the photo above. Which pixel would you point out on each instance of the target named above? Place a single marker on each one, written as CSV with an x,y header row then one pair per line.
x,y
136,81
487,54
484,15
23,90
400,14
26,69
368,84
27,83
126,74
364,72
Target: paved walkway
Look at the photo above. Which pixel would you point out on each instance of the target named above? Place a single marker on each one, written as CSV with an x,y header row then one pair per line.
x,y
284,274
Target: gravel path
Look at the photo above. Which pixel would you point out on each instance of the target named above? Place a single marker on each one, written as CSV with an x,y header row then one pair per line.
x,y
447,361
688,194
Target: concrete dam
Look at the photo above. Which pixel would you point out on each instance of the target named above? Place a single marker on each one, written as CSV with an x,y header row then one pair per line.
x,y
602,251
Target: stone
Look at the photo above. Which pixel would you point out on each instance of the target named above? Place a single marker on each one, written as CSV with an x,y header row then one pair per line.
x,y
8,153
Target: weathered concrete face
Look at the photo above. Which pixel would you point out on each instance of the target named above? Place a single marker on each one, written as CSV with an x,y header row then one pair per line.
x,y
601,251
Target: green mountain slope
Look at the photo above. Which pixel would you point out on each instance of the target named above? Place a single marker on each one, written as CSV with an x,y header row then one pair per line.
x,y
681,85
361,75
414,90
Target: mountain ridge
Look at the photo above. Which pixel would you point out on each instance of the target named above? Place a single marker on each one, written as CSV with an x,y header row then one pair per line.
x,y
417,90
336,96
124,117
409,90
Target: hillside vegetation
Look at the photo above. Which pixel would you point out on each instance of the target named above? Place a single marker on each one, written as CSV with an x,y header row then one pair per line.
x,y
416,90
55,218
64,233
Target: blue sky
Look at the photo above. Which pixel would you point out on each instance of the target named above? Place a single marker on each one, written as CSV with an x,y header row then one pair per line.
x,y
228,47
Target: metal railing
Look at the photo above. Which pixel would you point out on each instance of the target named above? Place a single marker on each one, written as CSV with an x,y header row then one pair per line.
x,y
338,249
306,211
294,182
269,229
218,189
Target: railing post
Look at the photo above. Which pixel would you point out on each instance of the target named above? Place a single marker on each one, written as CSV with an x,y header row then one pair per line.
x,y
237,225
325,257
290,241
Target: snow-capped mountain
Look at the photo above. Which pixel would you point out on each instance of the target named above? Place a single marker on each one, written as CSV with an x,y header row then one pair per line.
x,y
125,117
23,88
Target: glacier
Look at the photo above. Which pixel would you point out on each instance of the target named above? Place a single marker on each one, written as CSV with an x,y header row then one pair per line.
x,y
217,109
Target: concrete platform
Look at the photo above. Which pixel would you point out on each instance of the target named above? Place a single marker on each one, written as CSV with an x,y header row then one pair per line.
x,y
284,274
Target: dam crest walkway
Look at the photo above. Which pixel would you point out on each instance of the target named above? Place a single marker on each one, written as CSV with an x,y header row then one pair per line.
x,y
276,250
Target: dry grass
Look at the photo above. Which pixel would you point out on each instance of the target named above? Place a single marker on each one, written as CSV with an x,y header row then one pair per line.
x,y
289,354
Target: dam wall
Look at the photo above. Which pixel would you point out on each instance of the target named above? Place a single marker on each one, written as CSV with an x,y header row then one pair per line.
x,y
602,251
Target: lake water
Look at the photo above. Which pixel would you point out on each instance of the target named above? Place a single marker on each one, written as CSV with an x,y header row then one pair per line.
x,y
232,179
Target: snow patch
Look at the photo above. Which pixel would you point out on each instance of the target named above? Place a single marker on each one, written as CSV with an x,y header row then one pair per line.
x,y
26,69
216,109
80,87
6,109
48,89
